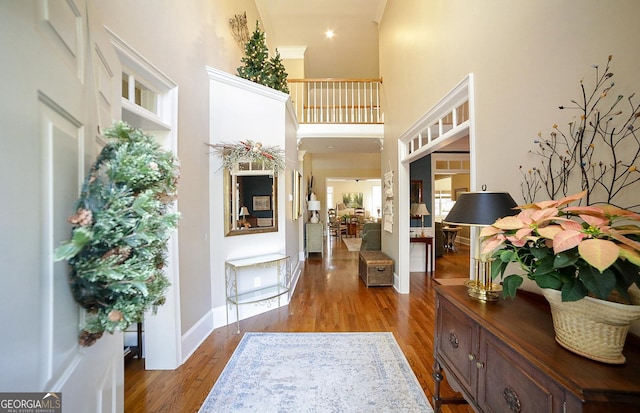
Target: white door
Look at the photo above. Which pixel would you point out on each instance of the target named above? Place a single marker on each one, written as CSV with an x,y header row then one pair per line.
x,y
57,84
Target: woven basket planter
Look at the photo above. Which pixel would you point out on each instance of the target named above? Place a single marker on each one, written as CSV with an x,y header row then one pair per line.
x,y
595,329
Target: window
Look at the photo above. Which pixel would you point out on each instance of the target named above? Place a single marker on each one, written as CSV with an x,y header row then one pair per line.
x,y
136,92
443,204
330,203
149,101
149,98
376,201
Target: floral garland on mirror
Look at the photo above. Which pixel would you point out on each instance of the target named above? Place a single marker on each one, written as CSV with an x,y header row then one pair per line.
x,y
122,223
231,154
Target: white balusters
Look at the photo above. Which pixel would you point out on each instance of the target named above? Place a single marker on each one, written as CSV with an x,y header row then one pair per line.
x,y
336,100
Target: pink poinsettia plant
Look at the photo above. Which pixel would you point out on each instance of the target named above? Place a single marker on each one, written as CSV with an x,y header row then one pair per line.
x,y
580,250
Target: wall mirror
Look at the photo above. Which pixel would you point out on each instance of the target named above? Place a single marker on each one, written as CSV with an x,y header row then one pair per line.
x,y
250,199
415,192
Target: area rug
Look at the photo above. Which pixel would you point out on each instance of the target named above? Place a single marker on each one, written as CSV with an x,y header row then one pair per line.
x,y
353,244
317,372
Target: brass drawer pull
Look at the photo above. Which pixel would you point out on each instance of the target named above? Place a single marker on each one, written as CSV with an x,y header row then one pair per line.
x,y
512,399
453,340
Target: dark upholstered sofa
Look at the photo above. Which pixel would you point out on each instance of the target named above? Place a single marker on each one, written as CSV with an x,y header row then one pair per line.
x,y
371,237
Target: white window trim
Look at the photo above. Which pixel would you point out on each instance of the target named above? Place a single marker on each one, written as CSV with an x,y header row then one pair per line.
x,y
163,332
140,69
415,144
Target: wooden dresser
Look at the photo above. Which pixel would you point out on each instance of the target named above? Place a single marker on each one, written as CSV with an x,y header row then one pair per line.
x,y
502,356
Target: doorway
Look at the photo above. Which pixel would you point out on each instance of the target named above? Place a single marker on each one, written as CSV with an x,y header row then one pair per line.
x,y
348,190
448,126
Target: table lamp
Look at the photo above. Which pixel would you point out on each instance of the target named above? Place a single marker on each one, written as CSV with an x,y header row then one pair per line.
x,y
478,209
314,207
420,210
244,211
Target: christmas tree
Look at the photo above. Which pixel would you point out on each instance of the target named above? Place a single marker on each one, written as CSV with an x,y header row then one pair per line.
x,y
257,67
276,74
255,59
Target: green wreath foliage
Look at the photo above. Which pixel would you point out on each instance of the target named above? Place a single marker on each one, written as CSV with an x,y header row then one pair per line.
x,y
117,249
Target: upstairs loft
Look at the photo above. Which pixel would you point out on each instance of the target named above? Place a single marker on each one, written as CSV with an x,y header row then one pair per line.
x,y
337,101
351,109
344,109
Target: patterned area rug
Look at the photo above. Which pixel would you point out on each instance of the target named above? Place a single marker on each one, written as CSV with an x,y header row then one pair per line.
x,y
317,372
353,244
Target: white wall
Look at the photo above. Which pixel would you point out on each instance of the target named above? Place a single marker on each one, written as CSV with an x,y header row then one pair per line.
x,y
182,39
49,114
241,110
527,59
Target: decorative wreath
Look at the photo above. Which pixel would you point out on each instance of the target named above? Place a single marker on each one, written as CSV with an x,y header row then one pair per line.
x,y
117,249
248,151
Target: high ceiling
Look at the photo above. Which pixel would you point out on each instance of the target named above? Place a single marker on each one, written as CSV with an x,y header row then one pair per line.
x,y
340,145
351,53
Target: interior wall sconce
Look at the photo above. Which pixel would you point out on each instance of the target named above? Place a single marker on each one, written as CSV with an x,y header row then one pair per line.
x,y
239,29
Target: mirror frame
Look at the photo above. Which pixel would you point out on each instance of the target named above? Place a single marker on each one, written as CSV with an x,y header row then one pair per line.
x,y
297,195
415,192
231,214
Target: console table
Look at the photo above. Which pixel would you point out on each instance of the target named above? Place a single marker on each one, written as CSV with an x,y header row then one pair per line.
x,y
502,357
271,291
429,254
134,351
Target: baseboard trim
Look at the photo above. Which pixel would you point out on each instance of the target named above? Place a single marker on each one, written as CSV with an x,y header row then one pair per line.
x,y
192,339
217,317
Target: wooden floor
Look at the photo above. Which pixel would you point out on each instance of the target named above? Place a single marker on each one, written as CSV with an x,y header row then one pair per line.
x,y
329,297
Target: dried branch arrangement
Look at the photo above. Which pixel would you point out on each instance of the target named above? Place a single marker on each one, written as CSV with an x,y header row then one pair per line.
x,y
249,151
599,153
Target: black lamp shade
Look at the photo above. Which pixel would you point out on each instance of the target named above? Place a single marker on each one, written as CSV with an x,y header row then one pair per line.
x,y
480,208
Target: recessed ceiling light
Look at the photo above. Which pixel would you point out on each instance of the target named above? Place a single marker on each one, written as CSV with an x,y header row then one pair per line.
x,y
329,34
330,147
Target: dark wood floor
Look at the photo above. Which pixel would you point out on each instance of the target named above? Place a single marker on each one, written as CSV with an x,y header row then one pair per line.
x,y
329,297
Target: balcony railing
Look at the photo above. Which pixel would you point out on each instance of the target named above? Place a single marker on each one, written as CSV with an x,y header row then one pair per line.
x,y
336,100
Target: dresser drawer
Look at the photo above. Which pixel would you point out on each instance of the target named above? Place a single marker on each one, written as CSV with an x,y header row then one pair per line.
x,y
507,383
455,344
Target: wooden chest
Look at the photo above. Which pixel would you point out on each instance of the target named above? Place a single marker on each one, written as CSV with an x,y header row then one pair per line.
x,y
375,268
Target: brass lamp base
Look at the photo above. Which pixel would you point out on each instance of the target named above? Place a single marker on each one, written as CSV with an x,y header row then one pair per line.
x,y
482,288
477,290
